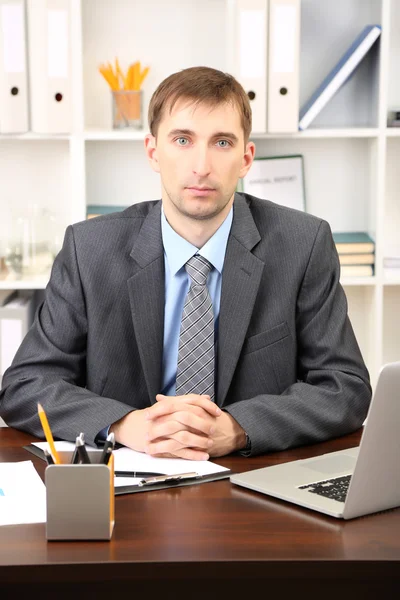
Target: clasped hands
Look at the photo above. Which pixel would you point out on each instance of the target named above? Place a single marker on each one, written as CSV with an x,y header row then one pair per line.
x,y
190,426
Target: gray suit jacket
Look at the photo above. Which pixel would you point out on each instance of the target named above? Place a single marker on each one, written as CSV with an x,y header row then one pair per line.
x,y
289,367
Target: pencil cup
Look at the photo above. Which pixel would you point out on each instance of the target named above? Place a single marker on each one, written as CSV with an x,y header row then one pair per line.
x,y
127,106
80,499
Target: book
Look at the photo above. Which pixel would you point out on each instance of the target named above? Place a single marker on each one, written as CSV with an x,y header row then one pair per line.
x,y
356,271
357,259
339,74
353,242
95,210
277,178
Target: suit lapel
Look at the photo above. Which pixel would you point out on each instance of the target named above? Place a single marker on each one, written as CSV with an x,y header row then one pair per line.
x,y
240,282
146,294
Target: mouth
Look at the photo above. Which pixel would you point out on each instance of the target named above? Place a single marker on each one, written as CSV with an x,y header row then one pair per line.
x,y
200,190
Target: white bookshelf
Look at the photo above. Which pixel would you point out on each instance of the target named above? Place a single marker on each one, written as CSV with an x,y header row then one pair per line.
x,y
350,155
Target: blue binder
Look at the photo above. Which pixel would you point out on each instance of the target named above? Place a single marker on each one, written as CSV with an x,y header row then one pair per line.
x,y
339,74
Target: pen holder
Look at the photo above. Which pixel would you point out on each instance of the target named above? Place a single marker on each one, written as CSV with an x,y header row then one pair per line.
x,y
80,499
127,106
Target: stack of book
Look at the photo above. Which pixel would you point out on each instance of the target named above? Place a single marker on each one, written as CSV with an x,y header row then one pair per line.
x,y
356,251
391,261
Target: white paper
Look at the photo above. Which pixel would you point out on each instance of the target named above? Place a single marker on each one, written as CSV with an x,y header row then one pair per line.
x,y
283,39
277,179
126,459
12,18
121,481
253,56
22,494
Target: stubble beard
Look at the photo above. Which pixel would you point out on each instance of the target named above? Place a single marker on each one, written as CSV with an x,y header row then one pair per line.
x,y
179,204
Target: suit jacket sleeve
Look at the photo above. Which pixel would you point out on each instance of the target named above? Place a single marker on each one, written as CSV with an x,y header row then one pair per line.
x,y
332,393
50,365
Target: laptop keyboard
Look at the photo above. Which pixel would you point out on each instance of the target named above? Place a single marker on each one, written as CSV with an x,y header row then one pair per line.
x,y
336,488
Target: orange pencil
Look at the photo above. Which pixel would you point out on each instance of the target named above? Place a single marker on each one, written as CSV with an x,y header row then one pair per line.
x,y
48,434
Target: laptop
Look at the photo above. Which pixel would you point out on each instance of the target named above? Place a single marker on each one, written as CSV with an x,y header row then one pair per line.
x,y
349,483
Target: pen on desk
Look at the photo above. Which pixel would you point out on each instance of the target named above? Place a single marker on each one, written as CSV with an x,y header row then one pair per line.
x,y
176,478
48,456
107,449
136,474
82,452
48,434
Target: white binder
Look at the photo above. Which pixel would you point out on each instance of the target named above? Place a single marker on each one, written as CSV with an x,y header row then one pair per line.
x,y
283,66
13,68
251,56
49,34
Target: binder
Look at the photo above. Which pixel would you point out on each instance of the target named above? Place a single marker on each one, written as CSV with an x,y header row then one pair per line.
x,y
15,319
49,35
283,66
339,74
251,17
13,68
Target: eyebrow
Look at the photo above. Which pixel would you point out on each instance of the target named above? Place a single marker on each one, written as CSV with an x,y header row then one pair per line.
x,y
218,134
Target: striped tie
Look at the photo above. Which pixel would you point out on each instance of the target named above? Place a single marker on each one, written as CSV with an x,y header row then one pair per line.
x,y
195,372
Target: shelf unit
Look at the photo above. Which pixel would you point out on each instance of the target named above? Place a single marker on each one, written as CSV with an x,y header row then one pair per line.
x,y
350,155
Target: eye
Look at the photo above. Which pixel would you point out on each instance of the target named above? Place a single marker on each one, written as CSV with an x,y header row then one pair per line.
x,y
223,143
182,141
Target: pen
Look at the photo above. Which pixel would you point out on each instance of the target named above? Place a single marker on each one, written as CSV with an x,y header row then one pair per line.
x,y
49,457
75,460
136,474
82,452
107,448
168,478
105,456
48,434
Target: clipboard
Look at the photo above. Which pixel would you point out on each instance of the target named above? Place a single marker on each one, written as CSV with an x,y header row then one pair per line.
x,y
172,481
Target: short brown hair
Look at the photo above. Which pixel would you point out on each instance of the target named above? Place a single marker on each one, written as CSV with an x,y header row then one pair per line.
x,y
202,85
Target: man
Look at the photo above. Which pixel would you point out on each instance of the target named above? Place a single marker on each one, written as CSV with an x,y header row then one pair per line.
x,y
249,288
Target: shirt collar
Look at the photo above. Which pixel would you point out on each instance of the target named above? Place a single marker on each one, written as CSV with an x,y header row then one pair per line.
x,y
178,250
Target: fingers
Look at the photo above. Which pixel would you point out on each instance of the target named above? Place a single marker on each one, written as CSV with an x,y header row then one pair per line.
x,y
167,405
184,444
168,425
187,453
178,440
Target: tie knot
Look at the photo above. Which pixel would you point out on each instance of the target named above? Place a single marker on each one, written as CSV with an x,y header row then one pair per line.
x,y
198,269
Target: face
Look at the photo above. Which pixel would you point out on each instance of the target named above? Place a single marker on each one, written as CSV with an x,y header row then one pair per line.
x,y
200,154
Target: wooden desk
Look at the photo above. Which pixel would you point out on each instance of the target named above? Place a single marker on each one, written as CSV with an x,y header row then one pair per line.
x,y
214,540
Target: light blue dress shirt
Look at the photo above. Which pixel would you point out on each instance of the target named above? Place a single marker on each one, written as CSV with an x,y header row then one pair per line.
x,y
177,251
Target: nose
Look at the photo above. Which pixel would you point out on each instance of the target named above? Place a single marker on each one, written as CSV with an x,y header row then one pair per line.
x,y
201,162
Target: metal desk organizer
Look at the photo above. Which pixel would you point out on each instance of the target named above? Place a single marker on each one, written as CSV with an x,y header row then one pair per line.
x,y
80,499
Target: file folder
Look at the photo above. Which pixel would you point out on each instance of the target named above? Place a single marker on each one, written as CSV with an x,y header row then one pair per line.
x,y
13,68
251,56
283,66
49,34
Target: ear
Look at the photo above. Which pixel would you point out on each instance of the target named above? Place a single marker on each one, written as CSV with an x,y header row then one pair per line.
x,y
150,145
248,158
